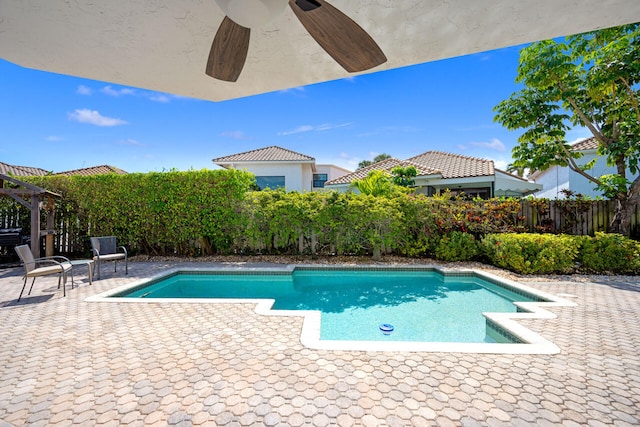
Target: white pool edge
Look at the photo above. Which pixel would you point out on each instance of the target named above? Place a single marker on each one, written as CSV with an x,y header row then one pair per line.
x,y
533,343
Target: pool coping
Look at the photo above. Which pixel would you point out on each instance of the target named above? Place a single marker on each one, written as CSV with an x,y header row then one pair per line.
x,y
532,342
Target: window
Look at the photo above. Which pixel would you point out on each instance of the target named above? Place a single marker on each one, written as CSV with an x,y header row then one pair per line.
x,y
319,179
472,193
271,182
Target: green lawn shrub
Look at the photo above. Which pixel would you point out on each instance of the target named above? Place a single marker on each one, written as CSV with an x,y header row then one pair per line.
x,y
532,253
457,246
160,213
216,212
610,253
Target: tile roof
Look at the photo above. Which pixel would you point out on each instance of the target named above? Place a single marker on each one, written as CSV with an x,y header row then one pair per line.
x,y
455,165
385,165
267,154
94,170
586,144
13,170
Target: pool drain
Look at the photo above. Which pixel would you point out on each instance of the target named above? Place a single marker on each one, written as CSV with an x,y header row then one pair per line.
x,y
386,328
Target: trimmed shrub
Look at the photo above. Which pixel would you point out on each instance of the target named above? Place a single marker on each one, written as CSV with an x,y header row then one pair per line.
x,y
610,253
532,253
457,246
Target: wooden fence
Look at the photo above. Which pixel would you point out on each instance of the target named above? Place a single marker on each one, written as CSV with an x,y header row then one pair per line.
x,y
577,217
69,238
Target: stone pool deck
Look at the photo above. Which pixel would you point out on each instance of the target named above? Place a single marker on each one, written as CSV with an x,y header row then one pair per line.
x,y
65,361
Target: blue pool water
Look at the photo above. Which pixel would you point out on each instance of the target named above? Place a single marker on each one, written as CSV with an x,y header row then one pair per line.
x,y
419,305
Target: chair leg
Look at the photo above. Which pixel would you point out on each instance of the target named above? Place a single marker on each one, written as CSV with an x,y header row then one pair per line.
x,y
31,288
90,267
23,286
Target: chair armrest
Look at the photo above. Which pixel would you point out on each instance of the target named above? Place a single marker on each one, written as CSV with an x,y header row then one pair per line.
x,y
47,260
95,252
55,257
123,249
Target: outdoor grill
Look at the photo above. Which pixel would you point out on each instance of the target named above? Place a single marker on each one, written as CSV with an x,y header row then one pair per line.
x,y
11,237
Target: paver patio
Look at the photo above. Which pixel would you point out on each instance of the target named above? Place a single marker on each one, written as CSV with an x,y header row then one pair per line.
x,y
64,361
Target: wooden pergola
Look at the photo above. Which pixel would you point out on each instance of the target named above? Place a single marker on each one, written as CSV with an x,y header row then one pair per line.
x,y
33,198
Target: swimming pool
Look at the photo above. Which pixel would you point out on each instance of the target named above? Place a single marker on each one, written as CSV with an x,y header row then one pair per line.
x,y
369,308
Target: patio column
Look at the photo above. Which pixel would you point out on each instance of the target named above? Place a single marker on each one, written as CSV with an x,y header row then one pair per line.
x,y
35,225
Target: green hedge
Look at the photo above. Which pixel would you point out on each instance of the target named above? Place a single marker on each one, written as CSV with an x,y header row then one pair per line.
x,y
215,212
532,253
457,246
610,253
548,253
158,213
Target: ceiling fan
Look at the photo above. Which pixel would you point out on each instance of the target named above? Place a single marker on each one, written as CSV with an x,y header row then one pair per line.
x,y
344,40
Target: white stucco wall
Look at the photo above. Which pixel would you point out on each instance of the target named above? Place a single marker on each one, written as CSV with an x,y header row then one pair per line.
x,y
553,180
556,178
332,171
297,176
580,184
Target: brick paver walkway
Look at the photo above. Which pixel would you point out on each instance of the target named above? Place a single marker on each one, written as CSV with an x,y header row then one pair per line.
x,y
64,361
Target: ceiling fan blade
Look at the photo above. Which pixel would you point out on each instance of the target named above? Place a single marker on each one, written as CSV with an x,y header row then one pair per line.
x,y
347,43
228,51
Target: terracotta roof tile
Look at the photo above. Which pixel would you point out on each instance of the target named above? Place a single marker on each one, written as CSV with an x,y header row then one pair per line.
x,y
94,170
14,170
455,165
267,154
586,144
384,165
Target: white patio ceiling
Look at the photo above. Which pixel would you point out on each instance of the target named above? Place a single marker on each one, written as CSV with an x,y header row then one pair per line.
x,y
163,45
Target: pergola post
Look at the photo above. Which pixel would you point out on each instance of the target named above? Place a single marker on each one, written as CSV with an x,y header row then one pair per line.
x,y
50,226
21,192
35,225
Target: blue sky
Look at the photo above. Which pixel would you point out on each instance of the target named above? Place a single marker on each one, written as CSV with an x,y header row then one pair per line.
x,y
60,123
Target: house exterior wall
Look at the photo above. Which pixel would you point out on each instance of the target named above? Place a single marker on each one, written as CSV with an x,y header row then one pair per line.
x,y
553,180
331,171
580,184
297,175
556,178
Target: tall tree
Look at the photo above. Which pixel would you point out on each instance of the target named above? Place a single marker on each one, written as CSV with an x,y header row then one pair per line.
x,y
589,80
404,176
376,159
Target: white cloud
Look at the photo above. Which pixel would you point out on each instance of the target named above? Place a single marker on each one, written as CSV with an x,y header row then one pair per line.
x,y
495,144
126,91
575,141
299,129
389,130
53,138
501,164
344,160
235,134
476,128
93,117
313,128
130,141
108,90
158,97
84,90
578,134
294,90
